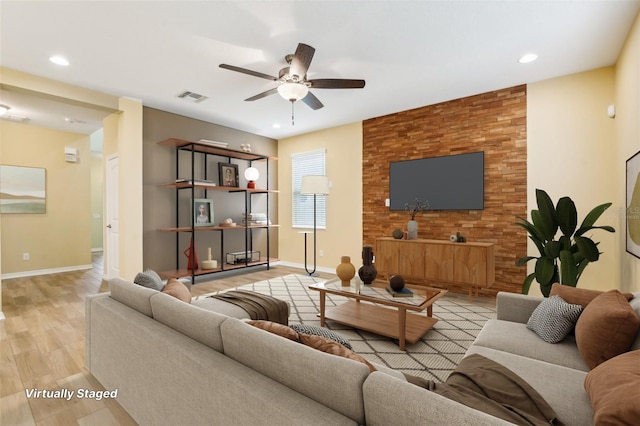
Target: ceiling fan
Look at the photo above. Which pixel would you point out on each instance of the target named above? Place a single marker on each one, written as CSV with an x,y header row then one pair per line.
x,y
294,85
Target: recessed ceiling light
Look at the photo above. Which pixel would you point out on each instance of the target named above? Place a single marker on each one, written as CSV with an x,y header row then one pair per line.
x,y
59,60
528,58
276,125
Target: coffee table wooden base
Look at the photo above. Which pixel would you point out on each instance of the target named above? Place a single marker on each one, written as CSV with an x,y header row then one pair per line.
x,y
396,323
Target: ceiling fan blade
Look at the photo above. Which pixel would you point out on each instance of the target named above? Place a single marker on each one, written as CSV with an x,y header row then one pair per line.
x,y
301,60
336,83
313,102
246,71
262,95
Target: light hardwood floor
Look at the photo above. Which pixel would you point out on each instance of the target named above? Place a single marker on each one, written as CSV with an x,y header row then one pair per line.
x,y
42,344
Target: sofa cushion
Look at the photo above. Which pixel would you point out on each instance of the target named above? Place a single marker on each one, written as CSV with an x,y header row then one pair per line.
x,y
554,319
514,337
201,325
578,296
614,390
178,290
323,332
276,328
134,296
561,387
310,372
314,341
150,279
607,327
331,347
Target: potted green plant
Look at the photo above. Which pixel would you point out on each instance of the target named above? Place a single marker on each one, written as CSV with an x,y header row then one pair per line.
x,y
563,259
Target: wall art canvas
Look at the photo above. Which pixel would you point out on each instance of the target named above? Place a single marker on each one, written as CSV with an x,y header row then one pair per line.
x,y
22,189
633,205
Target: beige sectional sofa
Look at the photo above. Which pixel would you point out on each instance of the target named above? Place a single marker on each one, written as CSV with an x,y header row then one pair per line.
x,y
556,371
179,363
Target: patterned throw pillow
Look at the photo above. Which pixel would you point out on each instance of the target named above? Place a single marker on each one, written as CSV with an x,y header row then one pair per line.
x,y
323,332
554,319
149,279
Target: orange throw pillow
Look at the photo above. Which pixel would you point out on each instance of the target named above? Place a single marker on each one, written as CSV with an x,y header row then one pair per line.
x,y
606,328
614,390
578,296
276,328
178,290
329,346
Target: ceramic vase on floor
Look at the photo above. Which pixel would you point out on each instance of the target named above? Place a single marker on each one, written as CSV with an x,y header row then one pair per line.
x,y
367,271
412,229
345,270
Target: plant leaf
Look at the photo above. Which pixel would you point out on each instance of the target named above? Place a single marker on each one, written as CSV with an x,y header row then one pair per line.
x,y
607,228
526,285
581,265
594,214
530,228
546,289
548,220
588,248
552,249
565,242
567,215
523,260
568,268
544,270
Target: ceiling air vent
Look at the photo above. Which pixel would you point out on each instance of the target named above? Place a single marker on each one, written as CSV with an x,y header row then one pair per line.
x,y
192,97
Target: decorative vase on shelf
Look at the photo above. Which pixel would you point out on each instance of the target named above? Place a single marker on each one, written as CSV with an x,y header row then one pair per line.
x,y
345,270
412,229
192,256
367,271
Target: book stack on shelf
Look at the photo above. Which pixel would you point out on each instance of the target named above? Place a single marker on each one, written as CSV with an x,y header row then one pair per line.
x,y
255,219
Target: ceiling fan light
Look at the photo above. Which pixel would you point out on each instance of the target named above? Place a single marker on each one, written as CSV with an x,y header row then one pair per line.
x,y
293,91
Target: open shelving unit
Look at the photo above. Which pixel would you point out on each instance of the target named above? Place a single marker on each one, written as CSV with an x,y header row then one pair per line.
x,y
195,149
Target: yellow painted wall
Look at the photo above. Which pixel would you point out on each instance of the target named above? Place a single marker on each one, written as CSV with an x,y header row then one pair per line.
x,y
343,236
571,152
60,238
627,137
130,182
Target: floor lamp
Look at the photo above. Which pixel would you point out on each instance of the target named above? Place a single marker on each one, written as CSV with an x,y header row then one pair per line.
x,y
313,185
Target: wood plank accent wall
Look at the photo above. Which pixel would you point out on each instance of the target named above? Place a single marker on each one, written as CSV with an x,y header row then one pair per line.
x,y
493,122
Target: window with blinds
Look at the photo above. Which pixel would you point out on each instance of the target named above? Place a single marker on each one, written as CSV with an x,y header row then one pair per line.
x,y
303,164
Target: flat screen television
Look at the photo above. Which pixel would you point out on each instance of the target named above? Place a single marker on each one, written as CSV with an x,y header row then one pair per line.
x,y
452,182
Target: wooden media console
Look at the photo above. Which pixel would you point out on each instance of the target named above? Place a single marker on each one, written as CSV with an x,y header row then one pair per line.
x,y
471,264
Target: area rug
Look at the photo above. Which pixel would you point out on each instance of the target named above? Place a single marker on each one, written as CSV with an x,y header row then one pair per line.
x,y
433,357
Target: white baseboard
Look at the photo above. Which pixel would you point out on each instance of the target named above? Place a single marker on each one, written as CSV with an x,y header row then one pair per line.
x,y
301,266
45,271
96,250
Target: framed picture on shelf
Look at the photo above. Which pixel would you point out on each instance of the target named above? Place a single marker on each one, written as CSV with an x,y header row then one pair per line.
x,y
633,205
202,212
228,174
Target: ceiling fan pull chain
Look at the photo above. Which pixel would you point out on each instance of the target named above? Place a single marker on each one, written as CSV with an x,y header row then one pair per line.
x,y
292,118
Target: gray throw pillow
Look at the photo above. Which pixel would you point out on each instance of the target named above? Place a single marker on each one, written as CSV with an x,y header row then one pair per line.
x,y
322,332
554,319
149,279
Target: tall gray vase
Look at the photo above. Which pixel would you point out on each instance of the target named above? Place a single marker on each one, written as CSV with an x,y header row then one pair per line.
x,y
412,230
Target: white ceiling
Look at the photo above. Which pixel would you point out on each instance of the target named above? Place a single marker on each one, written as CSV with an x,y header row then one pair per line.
x,y
411,53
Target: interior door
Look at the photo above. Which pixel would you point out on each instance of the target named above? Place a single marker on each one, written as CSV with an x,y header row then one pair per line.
x,y
112,260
